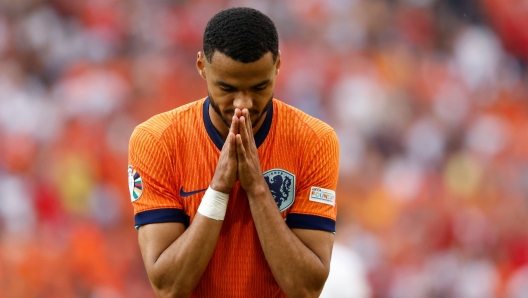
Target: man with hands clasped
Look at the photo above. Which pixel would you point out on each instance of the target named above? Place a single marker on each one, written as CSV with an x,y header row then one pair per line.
x,y
234,194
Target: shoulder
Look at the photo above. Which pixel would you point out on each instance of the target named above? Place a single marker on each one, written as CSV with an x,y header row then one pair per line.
x,y
164,125
301,124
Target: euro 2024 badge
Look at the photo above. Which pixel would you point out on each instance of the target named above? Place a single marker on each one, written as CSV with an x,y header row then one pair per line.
x,y
282,186
135,184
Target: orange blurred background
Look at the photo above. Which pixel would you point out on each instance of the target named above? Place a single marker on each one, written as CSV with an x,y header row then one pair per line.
x,y
429,99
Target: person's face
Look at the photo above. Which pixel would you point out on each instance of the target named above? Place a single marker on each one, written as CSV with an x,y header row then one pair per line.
x,y
232,84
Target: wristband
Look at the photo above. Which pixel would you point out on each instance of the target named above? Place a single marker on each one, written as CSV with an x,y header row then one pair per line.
x,y
214,204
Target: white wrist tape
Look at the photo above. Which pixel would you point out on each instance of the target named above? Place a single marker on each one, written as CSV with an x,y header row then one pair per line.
x,y
214,204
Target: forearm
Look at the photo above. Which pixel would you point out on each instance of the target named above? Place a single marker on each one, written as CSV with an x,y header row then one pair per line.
x,y
180,266
298,270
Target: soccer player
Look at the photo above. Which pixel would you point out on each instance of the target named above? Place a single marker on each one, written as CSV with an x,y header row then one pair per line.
x,y
234,194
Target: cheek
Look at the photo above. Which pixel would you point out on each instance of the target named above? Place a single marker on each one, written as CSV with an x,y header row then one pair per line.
x,y
218,94
266,95
222,98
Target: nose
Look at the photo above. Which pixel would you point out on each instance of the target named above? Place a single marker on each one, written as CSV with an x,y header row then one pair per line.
x,y
243,100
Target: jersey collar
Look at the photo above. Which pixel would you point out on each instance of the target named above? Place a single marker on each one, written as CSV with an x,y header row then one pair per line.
x,y
260,136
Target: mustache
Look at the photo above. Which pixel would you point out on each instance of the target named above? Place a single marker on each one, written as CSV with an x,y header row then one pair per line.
x,y
252,111
231,111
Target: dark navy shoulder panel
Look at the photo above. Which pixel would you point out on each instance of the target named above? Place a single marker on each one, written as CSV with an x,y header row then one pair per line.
x,y
161,215
310,222
219,142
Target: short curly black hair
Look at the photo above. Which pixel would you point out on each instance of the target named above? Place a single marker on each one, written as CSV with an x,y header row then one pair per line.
x,y
243,34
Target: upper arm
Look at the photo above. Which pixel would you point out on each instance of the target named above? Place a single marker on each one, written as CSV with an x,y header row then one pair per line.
x,y
319,242
154,239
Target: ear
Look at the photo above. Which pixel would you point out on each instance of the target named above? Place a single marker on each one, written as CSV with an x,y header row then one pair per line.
x,y
278,64
200,63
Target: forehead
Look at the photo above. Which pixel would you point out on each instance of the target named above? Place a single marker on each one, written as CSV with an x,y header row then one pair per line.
x,y
226,69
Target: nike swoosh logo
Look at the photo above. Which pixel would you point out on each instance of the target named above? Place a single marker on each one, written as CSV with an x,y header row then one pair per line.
x,y
184,194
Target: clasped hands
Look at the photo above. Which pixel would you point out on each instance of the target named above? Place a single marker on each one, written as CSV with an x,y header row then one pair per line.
x,y
239,158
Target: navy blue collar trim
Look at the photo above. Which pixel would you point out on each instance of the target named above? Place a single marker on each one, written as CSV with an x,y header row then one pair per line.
x,y
261,135
211,130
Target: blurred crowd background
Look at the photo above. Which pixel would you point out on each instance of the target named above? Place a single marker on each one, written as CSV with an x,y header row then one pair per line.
x,y
429,99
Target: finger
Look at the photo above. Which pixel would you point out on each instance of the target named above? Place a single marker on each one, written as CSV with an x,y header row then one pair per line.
x,y
238,112
232,130
234,125
243,132
232,145
249,126
247,117
241,151
226,147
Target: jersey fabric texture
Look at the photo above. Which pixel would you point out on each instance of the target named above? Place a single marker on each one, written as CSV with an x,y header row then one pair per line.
x,y
173,157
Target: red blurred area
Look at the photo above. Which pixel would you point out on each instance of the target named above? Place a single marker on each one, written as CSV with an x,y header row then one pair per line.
x,y
509,19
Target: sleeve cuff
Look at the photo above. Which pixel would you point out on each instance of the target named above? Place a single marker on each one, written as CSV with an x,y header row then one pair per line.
x,y
310,222
161,215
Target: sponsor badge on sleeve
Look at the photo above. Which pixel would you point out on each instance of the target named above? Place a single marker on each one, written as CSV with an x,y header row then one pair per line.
x,y
322,195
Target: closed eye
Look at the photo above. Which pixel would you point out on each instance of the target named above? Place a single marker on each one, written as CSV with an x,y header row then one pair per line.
x,y
260,88
227,89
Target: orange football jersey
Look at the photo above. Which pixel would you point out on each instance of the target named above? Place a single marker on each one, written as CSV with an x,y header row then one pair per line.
x,y
172,159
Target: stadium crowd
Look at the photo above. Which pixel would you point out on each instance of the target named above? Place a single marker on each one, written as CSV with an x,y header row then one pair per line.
x,y
429,99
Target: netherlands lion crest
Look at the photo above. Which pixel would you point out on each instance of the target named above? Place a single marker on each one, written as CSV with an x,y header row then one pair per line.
x,y
282,186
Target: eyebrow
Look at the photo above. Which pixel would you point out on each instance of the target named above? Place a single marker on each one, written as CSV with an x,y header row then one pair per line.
x,y
224,84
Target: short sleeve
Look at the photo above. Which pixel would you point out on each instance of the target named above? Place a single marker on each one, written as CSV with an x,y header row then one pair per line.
x,y
151,181
315,201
